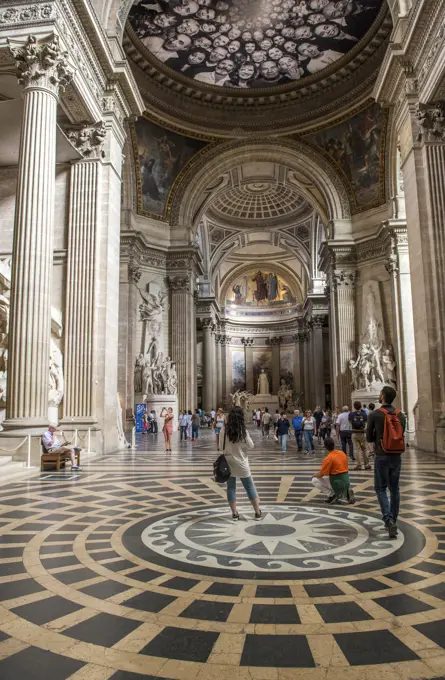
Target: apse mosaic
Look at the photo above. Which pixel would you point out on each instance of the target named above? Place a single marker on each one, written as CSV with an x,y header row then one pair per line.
x,y
161,155
258,287
251,43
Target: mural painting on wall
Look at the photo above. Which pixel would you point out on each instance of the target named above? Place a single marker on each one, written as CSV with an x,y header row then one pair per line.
x,y
161,156
357,146
247,43
287,365
259,287
238,371
262,360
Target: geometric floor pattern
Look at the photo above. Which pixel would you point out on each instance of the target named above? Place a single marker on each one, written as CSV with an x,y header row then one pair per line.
x,y
132,569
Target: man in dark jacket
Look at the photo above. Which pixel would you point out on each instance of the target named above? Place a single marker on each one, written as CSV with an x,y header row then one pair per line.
x,y
297,424
283,426
387,466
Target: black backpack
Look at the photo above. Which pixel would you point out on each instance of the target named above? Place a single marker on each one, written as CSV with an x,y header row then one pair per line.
x,y
221,470
358,420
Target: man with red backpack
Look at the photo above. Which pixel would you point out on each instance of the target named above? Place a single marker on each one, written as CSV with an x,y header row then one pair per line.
x,y
386,429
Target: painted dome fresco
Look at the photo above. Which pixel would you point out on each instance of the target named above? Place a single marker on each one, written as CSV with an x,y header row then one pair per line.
x,y
248,44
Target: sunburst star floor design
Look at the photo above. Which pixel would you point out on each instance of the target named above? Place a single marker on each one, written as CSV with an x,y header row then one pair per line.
x,y
133,569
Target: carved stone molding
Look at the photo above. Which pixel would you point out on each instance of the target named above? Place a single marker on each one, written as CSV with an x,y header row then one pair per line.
x,y
179,284
431,122
89,141
208,324
18,15
44,65
247,342
318,320
275,341
134,273
341,278
302,336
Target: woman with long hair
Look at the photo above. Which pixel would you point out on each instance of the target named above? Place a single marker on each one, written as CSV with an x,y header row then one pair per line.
x,y
219,425
237,439
168,416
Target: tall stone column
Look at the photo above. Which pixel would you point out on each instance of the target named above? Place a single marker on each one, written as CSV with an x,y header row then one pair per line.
x,y
226,375
275,342
422,140
183,338
207,385
219,339
128,350
318,360
298,375
79,405
214,369
248,351
307,371
343,313
43,71
398,268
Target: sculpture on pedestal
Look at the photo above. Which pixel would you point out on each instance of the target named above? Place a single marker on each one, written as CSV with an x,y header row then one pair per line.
x,y
154,374
389,366
263,383
285,394
374,366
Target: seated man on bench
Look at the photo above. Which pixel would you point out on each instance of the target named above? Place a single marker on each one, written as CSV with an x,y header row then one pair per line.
x,y
51,444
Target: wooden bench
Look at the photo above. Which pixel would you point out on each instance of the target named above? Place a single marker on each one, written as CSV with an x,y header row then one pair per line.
x,y
56,459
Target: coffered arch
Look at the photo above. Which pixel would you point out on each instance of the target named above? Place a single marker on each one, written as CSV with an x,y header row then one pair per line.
x,y
307,174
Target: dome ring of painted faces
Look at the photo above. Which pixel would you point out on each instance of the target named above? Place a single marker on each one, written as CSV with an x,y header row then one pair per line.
x,y
251,44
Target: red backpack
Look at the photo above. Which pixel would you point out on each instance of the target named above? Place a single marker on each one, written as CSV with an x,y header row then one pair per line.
x,y
393,440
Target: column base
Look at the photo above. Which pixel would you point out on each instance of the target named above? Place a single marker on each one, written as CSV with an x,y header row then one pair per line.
x,y
21,427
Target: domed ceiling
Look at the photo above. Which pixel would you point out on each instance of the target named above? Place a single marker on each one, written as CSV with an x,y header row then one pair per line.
x,y
258,201
250,44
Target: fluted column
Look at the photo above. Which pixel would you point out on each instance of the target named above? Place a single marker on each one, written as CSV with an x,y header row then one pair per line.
x,y
183,338
307,371
343,308
219,339
207,385
43,71
84,216
318,359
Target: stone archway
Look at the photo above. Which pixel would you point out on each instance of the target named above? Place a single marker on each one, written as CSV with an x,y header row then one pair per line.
x,y
208,175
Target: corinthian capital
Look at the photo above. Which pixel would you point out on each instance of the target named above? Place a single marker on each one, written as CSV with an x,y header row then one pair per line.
x,y
89,141
343,278
42,64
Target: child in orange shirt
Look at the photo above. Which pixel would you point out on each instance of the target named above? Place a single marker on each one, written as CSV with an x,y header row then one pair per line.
x,y
334,466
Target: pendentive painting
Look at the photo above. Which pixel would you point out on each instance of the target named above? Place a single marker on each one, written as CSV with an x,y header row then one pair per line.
x,y
251,43
161,155
357,146
259,288
238,370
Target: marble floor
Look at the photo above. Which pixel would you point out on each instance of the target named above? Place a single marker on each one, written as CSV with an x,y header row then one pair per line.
x,y
132,569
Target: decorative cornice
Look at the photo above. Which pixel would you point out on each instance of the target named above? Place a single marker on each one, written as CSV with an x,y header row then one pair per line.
x,y
42,65
29,13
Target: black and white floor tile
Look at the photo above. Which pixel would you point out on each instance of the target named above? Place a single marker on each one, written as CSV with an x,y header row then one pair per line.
x,y
133,569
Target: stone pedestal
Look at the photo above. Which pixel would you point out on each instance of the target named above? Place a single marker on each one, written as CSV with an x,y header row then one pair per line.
x,y
260,401
371,397
158,402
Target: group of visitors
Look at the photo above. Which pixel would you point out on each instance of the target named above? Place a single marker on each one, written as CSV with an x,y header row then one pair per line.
x,y
150,423
383,428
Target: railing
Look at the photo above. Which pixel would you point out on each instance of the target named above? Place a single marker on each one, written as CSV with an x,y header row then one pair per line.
x,y
76,439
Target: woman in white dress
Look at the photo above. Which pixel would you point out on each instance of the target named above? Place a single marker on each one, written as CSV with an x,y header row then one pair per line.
x,y
237,440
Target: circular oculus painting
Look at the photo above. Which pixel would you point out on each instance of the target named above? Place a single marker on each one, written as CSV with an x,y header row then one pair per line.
x,y
251,43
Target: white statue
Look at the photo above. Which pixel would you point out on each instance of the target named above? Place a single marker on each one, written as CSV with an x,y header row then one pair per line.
x,y
138,370
241,399
284,395
389,366
56,381
355,372
157,376
153,305
263,383
153,349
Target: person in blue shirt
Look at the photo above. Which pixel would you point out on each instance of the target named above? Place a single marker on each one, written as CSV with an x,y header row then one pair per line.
x,y
297,424
283,426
